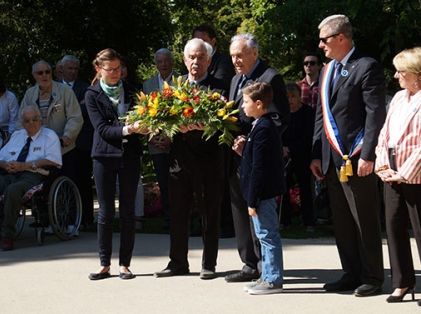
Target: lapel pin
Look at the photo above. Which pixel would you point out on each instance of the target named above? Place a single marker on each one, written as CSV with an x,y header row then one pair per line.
x,y
344,73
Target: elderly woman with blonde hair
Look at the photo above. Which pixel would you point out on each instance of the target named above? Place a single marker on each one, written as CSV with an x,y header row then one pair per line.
x,y
398,165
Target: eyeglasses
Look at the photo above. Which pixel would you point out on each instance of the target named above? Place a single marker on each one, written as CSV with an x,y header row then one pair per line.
x,y
112,70
308,63
48,72
34,119
324,39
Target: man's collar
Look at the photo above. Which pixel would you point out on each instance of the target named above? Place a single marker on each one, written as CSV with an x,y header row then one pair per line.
x,y
34,137
252,69
347,56
198,80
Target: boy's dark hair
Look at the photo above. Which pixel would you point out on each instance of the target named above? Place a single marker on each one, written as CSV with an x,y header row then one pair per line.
x,y
293,88
259,91
205,28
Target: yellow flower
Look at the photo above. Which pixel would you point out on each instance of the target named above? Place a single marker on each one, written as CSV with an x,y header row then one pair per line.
x,y
156,103
221,112
230,118
216,96
165,86
173,110
140,110
152,112
229,104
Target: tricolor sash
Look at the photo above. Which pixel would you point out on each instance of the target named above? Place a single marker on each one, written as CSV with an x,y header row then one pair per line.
x,y
330,127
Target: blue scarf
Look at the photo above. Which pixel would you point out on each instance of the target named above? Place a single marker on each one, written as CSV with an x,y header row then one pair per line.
x,y
113,92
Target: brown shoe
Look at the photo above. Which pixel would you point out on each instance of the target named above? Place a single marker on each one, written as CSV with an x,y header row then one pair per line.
x,y
7,244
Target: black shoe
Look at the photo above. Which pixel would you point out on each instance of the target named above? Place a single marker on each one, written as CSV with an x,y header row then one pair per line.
x,y
399,298
128,275
99,276
207,274
366,290
419,302
341,285
242,277
169,272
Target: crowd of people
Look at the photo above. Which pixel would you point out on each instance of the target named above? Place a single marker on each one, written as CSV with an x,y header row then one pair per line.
x,y
332,124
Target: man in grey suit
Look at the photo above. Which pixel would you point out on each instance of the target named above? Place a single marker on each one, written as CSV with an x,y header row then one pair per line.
x,y
159,146
250,68
350,114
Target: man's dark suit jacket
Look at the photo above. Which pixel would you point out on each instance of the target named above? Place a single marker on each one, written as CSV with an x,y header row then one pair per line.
x,y
108,138
191,146
279,106
357,101
261,168
221,67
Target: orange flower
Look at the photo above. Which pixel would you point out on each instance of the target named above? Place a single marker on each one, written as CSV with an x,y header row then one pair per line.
x,y
196,100
188,112
154,94
141,110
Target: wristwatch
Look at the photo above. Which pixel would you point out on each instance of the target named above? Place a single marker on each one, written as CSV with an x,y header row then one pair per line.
x,y
34,166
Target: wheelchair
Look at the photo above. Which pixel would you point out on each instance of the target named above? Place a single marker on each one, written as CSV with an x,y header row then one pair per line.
x,y
55,202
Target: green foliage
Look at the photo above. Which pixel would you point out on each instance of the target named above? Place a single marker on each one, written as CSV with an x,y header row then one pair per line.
x,y
286,30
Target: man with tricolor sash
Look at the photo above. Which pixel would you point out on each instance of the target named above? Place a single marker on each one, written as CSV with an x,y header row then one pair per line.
x,y
349,116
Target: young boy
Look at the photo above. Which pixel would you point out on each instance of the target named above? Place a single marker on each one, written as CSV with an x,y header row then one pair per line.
x,y
261,178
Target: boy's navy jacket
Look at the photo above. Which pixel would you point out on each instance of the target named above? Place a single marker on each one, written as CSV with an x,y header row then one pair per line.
x,y
261,172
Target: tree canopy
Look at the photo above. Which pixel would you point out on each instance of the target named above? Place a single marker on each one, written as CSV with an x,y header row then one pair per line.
x,y
286,29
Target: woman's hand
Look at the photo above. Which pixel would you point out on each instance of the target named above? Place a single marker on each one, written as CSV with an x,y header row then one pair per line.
x,y
390,176
137,128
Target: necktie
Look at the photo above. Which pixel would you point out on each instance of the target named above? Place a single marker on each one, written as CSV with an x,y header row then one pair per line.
x,y
338,70
241,84
25,150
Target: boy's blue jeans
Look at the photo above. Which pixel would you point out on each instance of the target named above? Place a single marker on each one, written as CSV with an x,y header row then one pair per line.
x,y
266,227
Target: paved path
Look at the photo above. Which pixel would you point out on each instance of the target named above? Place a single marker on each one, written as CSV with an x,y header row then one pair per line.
x,y
53,278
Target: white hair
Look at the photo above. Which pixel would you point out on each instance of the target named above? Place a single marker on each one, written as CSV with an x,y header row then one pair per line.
x,y
250,40
34,66
198,42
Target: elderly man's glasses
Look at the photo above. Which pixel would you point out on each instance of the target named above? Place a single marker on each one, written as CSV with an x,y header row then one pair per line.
x,y
324,39
112,70
48,72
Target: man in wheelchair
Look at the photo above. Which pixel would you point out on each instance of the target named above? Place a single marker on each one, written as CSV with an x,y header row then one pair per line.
x,y
23,161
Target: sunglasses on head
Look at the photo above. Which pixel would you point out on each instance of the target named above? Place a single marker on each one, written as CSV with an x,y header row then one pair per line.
x,y
324,39
43,72
312,63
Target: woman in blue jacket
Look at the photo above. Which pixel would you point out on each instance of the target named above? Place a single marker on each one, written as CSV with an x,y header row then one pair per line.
x,y
116,154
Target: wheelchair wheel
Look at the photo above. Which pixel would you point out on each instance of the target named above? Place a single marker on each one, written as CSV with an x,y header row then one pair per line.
x,y
20,222
64,208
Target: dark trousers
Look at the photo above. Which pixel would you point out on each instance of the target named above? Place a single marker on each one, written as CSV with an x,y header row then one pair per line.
x,y
402,204
205,176
14,187
106,171
247,243
83,177
301,168
356,220
161,163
